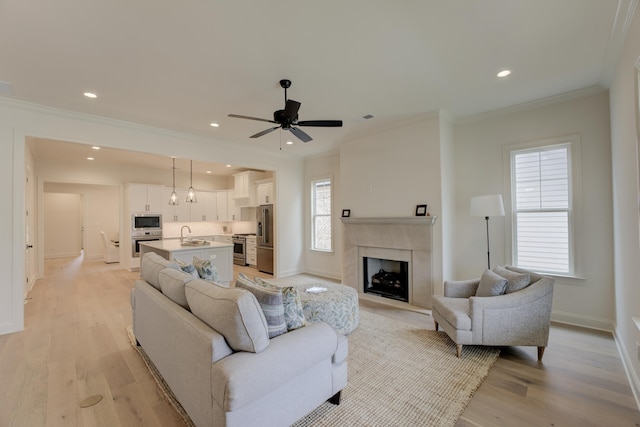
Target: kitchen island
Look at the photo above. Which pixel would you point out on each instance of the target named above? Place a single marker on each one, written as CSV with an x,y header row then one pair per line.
x,y
220,254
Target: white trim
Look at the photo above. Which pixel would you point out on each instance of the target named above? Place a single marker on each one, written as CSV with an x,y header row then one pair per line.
x,y
581,320
627,363
575,168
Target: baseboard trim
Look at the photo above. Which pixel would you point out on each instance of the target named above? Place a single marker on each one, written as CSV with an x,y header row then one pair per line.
x,y
590,322
327,274
627,363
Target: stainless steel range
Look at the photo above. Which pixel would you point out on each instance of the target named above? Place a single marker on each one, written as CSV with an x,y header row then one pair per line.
x,y
240,248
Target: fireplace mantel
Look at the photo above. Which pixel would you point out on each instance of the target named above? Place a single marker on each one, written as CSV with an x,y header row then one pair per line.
x,y
401,238
427,220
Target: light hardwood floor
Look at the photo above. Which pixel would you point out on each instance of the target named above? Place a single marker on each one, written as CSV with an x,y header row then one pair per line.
x,y
74,346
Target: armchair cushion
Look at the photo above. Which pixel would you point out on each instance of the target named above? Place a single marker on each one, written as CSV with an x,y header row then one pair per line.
x,y
454,310
515,281
491,284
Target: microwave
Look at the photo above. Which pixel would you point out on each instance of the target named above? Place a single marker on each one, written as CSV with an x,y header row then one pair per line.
x,y
143,222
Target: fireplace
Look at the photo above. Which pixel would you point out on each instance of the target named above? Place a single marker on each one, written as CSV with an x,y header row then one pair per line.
x,y
406,242
386,277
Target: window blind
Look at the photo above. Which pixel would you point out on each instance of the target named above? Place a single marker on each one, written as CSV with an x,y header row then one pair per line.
x,y
542,209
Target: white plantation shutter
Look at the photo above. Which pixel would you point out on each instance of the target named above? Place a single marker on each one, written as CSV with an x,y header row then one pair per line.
x,y
321,215
542,209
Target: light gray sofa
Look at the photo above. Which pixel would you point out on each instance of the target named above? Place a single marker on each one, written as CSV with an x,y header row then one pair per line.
x,y
520,317
284,379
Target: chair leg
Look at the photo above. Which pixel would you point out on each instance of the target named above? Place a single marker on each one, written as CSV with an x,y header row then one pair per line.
x,y
540,353
458,349
435,323
335,399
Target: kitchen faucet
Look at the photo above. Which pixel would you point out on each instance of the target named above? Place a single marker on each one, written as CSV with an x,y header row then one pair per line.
x,y
182,230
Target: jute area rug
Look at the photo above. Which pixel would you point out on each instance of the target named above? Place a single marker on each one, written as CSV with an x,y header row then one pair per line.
x,y
400,375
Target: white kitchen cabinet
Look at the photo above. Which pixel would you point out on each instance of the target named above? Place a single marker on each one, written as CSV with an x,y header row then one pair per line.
x,y
209,203
145,198
233,210
264,191
222,205
252,256
245,188
176,213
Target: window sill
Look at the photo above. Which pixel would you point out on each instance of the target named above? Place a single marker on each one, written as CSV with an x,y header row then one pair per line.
x,y
321,251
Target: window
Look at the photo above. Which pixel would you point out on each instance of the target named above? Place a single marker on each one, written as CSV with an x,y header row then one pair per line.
x,y
541,198
321,215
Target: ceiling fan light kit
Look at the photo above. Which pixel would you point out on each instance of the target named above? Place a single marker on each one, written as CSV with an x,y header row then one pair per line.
x,y
287,119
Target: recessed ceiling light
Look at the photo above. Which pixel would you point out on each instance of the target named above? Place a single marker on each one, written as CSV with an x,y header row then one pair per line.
x,y
90,158
95,147
228,166
214,125
208,171
504,73
90,95
289,142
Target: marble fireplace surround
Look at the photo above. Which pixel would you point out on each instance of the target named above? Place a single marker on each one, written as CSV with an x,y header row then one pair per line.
x,y
399,238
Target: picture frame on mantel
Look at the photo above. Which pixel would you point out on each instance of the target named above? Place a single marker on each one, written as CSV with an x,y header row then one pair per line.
x,y
346,213
421,210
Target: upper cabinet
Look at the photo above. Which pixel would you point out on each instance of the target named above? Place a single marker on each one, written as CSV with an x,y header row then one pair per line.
x,y
264,191
205,209
245,188
146,198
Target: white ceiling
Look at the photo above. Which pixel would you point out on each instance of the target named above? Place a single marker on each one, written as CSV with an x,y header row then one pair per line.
x,y
182,65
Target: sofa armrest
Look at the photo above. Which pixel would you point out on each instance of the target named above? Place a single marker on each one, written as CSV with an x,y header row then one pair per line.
x,y
244,377
461,288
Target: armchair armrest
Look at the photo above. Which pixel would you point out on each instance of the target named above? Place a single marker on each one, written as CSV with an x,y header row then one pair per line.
x,y
461,288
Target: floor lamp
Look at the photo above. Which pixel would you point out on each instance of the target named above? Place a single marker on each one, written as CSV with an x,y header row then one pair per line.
x,y
487,206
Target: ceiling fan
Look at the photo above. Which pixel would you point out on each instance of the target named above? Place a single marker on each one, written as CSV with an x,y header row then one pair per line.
x,y
287,119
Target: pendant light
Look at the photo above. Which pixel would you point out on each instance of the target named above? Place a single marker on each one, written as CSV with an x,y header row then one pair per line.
x,y
173,199
191,194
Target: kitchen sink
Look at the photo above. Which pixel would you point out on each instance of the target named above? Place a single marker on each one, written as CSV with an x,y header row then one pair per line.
x,y
194,242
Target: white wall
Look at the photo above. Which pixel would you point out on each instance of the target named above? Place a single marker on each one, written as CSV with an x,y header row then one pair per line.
x,y
21,120
62,224
388,173
328,264
624,148
101,210
480,169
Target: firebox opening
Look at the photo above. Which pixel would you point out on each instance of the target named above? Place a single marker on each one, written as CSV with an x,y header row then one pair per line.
x,y
387,278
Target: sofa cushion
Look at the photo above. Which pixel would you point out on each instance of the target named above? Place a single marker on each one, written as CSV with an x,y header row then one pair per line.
x,y
206,270
234,313
491,284
454,310
293,310
150,266
515,281
172,285
270,301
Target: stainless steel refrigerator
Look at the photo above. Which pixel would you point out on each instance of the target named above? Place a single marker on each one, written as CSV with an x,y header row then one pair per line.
x,y
264,238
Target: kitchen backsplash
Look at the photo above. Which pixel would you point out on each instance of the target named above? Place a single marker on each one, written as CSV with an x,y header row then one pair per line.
x,y
172,229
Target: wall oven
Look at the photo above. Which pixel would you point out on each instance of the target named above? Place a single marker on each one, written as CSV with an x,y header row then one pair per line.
x,y
146,222
143,236
239,249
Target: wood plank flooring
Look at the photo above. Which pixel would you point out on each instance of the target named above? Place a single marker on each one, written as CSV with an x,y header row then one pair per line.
x,y
75,346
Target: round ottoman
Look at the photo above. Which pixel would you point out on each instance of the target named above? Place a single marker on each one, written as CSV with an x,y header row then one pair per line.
x,y
337,306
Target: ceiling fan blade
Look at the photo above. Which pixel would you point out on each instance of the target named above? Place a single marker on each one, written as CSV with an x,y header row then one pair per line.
x,y
321,123
291,109
238,116
302,136
264,132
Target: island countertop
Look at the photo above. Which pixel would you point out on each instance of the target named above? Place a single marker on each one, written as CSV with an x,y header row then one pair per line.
x,y
174,245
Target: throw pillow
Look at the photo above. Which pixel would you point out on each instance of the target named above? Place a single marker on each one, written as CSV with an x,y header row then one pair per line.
x,y
491,284
234,313
172,284
271,303
293,312
515,281
187,268
206,270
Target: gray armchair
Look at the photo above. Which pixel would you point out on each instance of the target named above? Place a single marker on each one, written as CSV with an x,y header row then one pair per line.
x,y
520,317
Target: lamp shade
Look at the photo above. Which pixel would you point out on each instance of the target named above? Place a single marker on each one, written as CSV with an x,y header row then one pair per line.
x,y
490,205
